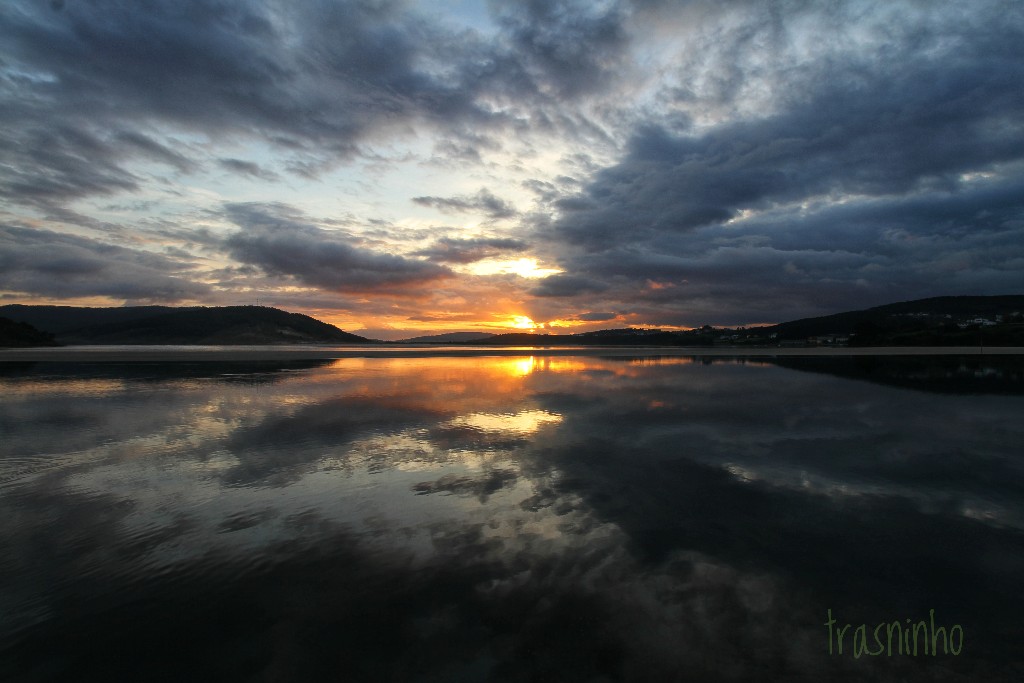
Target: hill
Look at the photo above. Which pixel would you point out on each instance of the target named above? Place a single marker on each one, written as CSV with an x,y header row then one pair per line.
x,y
18,335
187,326
935,321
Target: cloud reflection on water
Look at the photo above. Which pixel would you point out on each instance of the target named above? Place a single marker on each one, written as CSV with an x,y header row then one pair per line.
x,y
432,518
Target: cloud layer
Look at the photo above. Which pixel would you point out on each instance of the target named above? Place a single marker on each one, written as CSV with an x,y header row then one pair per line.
x,y
277,241
874,174
60,265
679,162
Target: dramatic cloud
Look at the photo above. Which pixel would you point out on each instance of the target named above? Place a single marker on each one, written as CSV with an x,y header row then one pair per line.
x,y
878,176
274,238
679,162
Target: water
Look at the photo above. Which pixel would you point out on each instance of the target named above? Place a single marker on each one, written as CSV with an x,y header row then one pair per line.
x,y
510,518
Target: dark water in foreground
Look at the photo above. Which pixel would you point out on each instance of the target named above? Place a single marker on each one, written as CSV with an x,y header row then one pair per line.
x,y
509,519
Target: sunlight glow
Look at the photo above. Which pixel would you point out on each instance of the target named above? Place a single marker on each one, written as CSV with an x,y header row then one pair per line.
x,y
524,267
521,367
523,422
521,322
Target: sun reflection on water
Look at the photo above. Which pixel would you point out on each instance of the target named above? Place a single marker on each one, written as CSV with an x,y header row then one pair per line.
x,y
523,422
521,367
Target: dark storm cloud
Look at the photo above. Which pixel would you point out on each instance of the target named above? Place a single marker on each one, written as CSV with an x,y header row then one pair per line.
x,y
280,241
483,201
876,175
454,250
59,265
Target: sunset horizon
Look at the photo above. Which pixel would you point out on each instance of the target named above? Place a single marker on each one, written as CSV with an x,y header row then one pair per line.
x,y
511,340
407,168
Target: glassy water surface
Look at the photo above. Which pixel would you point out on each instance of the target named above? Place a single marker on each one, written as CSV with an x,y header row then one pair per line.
x,y
511,519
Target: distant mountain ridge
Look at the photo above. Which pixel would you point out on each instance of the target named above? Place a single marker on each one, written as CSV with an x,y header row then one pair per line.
x,y
200,325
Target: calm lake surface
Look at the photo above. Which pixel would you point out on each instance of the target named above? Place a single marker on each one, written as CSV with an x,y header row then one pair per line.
x,y
569,518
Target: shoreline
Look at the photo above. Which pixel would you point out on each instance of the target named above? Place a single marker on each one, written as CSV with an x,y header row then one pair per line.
x,y
128,354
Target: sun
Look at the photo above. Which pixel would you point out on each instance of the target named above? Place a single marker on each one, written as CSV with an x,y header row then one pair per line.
x,y
521,322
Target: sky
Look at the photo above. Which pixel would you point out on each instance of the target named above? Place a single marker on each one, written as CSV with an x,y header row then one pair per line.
x,y
405,168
